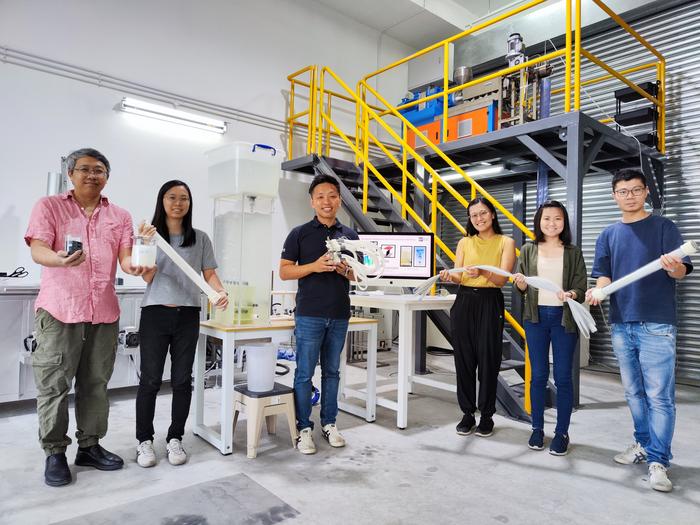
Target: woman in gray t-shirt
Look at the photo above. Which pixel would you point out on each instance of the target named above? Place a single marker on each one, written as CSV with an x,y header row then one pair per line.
x,y
170,320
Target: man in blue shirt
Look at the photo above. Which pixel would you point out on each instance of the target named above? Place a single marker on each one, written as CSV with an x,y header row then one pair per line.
x,y
322,309
643,317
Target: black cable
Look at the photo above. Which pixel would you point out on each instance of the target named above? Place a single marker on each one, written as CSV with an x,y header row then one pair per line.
x,y
18,273
136,368
285,370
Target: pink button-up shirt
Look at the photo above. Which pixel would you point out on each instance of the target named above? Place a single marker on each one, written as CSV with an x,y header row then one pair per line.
x,y
84,293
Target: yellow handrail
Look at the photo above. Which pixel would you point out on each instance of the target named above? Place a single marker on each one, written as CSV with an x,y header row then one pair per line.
x,y
624,25
617,75
446,159
447,41
603,78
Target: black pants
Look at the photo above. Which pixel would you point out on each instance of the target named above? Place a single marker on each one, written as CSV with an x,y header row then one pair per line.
x,y
477,334
163,327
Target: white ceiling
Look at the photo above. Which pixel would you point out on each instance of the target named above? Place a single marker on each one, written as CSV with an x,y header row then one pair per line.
x,y
404,20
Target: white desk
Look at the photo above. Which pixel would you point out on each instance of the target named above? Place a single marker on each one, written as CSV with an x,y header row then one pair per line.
x,y
232,335
406,305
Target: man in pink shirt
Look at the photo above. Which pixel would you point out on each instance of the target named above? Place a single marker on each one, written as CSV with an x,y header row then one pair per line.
x,y
77,237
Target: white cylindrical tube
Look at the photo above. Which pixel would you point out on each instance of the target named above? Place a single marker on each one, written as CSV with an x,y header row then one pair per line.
x,y
684,250
190,272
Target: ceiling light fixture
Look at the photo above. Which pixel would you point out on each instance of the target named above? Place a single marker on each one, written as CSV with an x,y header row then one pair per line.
x,y
167,114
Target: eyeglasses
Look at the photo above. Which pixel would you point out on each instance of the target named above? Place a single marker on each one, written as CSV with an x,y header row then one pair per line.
x,y
97,172
634,191
475,216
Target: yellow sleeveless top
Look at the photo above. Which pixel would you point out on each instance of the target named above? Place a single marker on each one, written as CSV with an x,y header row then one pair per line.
x,y
476,250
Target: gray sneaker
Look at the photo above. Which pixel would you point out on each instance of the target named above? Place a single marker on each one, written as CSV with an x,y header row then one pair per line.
x,y
633,454
658,478
145,455
176,454
305,441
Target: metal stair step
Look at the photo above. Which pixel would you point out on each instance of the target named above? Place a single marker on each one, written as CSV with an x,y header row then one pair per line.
x,y
510,364
628,94
636,116
388,222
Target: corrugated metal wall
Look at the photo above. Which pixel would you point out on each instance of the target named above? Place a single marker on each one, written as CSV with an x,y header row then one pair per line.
x,y
676,34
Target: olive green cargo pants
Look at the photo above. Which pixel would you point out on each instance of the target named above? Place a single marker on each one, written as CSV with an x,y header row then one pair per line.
x,y
66,351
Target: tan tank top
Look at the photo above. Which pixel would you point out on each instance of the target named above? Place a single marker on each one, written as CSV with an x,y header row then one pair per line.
x,y
479,251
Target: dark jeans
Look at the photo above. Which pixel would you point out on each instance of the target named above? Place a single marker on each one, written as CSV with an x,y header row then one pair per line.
x,y
477,337
317,336
539,335
163,328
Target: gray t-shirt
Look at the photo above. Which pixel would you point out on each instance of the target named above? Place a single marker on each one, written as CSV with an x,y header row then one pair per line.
x,y
170,285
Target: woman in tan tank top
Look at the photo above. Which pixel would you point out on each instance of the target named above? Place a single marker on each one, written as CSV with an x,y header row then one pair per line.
x,y
477,315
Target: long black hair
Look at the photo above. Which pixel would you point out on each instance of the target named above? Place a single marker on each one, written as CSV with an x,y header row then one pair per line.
x,y
565,235
189,237
470,227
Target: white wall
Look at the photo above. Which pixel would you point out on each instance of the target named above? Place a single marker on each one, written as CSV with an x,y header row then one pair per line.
x,y
235,53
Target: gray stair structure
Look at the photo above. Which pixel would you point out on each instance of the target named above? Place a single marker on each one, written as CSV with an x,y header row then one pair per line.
x,y
509,399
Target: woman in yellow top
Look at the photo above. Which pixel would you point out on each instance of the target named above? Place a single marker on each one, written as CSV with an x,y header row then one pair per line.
x,y
477,315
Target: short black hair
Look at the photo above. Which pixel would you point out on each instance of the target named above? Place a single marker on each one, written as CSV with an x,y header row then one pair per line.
x,y
73,157
323,179
628,174
189,237
565,235
471,230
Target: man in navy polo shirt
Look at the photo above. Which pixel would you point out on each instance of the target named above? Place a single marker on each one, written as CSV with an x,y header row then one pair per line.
x,y
643,318
322,309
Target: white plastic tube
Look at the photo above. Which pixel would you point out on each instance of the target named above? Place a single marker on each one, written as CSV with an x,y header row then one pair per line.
x,y
190,272
360,270
688,248
582,317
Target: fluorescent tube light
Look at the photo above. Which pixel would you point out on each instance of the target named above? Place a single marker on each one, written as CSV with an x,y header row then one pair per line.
x,y
474,173
167,114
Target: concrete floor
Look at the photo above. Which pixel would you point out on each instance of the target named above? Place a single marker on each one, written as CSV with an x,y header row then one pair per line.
x,y
426,474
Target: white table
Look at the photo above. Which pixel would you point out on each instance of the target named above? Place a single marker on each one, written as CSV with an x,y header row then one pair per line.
x,y
405,305
233,335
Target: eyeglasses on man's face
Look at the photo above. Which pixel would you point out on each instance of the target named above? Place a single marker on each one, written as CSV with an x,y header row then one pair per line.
x,y
96,171
636,191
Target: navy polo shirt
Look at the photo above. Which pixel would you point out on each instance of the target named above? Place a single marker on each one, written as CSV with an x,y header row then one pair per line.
x,y
319,294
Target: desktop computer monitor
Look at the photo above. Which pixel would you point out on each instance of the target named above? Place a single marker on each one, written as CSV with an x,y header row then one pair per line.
x,y
409,258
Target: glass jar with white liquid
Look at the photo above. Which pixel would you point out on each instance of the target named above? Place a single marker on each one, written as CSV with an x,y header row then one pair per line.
x,y
143,253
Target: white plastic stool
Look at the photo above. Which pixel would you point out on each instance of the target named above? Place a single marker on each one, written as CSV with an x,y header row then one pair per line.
x,y
256,405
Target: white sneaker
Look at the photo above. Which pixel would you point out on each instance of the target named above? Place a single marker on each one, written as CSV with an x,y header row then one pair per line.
x,y
176,454
633,454
330,432
145,455
658,479
305,442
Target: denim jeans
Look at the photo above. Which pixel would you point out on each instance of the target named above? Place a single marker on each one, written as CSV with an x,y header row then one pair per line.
x,y
646,353
318,336
539,335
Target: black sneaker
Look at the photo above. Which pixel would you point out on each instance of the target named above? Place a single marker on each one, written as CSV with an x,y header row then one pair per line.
x,y
466,426
485,428
536,439
560,445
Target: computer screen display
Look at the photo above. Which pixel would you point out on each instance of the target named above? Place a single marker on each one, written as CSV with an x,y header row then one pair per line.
x,y
406,255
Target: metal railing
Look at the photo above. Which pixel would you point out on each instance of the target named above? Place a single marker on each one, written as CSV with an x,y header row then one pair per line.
x,y
573,51
317,119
